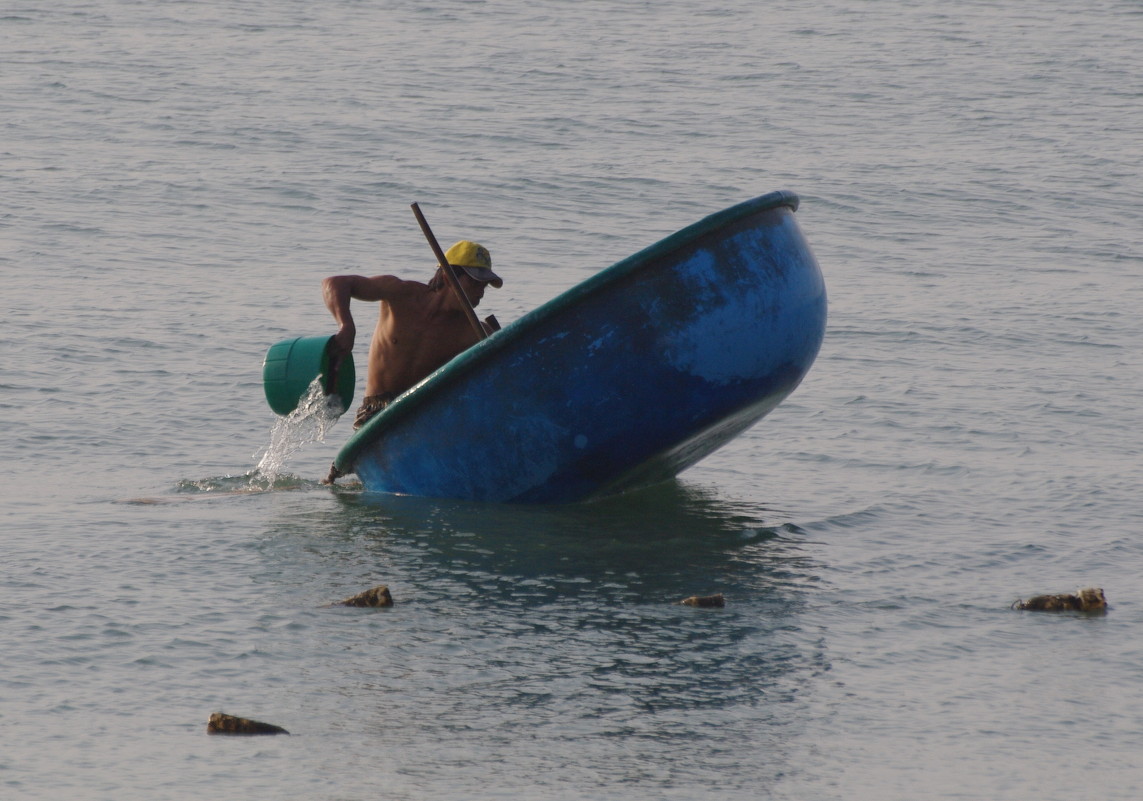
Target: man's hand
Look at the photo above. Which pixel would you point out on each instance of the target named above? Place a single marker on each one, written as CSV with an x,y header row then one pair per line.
x,y
334,475
342,343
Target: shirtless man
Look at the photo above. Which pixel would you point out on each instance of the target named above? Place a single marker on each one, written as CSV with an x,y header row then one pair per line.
x,y
421,326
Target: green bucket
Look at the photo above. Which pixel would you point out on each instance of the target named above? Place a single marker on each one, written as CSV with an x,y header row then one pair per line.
x,y
291,366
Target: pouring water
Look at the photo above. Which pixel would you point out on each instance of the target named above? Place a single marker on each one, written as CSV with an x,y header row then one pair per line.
x,y
315,414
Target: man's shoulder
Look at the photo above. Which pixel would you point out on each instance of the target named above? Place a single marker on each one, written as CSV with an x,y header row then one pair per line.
x,y
397,281
405,287
392,287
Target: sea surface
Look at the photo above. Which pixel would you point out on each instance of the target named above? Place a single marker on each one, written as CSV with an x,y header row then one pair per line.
x,y
177,177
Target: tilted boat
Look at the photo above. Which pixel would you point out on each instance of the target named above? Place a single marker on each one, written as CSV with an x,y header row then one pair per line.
x,y
622,381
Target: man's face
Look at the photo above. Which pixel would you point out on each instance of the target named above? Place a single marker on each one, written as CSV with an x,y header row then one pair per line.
x,y
472,288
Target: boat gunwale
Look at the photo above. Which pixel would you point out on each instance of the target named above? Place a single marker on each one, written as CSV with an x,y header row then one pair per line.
x,y
461,364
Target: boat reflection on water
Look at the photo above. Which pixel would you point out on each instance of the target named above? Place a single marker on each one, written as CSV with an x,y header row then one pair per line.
x,y
540,626
653,544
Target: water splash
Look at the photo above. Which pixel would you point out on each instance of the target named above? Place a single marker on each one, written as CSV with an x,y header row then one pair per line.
x,y
315,415
248,483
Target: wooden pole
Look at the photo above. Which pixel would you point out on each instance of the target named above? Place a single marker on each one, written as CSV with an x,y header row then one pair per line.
x,y
450,274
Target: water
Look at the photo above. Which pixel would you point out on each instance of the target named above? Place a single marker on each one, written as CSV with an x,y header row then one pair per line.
x,y
312,419
178,177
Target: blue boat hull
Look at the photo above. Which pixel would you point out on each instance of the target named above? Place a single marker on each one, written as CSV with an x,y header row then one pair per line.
x,y
621,382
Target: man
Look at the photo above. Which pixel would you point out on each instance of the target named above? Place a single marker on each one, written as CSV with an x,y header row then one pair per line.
x,y
420,327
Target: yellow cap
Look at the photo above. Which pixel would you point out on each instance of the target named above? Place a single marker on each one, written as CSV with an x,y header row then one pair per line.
x,y
475,260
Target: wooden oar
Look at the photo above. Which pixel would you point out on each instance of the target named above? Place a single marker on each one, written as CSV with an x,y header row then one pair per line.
x,y
450,274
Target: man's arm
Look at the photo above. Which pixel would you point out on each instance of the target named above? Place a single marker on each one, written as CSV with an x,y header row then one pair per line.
x,y
338,290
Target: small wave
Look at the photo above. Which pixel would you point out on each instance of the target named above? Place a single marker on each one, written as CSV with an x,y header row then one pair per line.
x,y
251,483
244,484
855,519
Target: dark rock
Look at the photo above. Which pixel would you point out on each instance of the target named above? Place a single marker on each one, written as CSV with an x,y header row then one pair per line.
x,y
1090,599
220,723
378,596
705,600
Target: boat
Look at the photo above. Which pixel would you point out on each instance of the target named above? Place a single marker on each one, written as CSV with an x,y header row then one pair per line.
x,y
621,382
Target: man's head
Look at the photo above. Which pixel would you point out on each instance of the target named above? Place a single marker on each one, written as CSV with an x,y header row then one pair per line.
x,y
475,260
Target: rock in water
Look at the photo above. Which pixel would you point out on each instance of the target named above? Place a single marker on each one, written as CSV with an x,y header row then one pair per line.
x,y
1089,599
220,723
378,596
705,600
